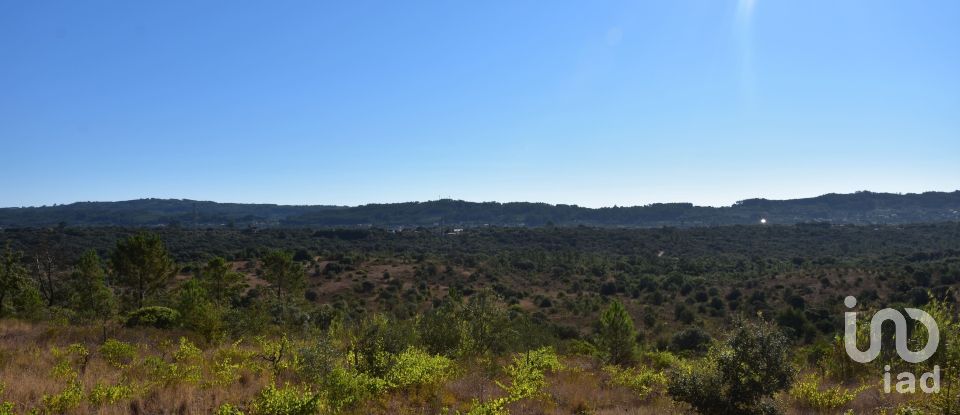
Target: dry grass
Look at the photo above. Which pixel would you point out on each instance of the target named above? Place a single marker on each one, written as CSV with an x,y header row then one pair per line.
x,y
26,366
26,370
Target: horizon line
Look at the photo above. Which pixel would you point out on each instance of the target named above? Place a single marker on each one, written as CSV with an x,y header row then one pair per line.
x,y
443,198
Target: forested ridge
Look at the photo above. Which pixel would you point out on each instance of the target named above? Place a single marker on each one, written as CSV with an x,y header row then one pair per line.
x,y
856,208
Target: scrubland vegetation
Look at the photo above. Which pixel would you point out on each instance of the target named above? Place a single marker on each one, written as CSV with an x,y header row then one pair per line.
x,y
733,320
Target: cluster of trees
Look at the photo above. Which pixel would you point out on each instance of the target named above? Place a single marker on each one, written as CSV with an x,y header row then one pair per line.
x,y
682,303
683,281
136,281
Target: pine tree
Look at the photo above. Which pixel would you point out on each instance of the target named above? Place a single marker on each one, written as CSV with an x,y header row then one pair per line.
x,y
284,275
617,335
220,282
12,276
90,297
198,312
142,265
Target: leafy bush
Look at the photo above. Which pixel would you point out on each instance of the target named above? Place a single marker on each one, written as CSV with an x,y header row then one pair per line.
x,y
228,362
186,367
6,408
484,325
414,367
808,394
345,387
581,347
109,395
156,316
318,360
227,409
660,360
738,376
69,361
278,353
288,400
527,379
68,399
690,339
908,409
440,330
376,341
225,372
642,381
117,353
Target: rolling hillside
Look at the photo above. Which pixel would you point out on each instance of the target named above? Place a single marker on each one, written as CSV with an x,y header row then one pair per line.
x,y
856,208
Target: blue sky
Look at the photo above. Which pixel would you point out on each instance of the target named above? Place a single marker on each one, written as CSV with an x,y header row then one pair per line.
x,y
594,103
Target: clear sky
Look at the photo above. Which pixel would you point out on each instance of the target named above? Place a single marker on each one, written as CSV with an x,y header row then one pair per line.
x,y
596,103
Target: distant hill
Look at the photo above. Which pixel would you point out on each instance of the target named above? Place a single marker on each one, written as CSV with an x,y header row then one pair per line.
x,y
856,208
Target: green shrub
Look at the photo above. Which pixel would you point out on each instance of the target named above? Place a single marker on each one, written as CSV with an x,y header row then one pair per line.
x,y
414,367
440,329
6,408
808,394
908,409
376,341
117,353
278,353
225,372
581,347
660,360
640,380
345,387
947,358
527,379
288,400
693,339
156,316
496,406
738,376
187,351
109,395
318,360
228,362
68,399
227,409
198,313
186,367
528,372
69,361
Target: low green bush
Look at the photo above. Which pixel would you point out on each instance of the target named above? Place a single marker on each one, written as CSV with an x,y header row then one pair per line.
x,y
156,316
739,375
808,394
6,408
527,379
117,353
109,395
640,380
347,387
66,400
287,400
415,367
227,409
186,367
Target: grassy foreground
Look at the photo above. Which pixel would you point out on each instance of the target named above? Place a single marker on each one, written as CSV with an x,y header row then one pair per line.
x,y
56,368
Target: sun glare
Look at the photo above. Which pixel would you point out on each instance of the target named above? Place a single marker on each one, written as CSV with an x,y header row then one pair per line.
x,y
745,9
